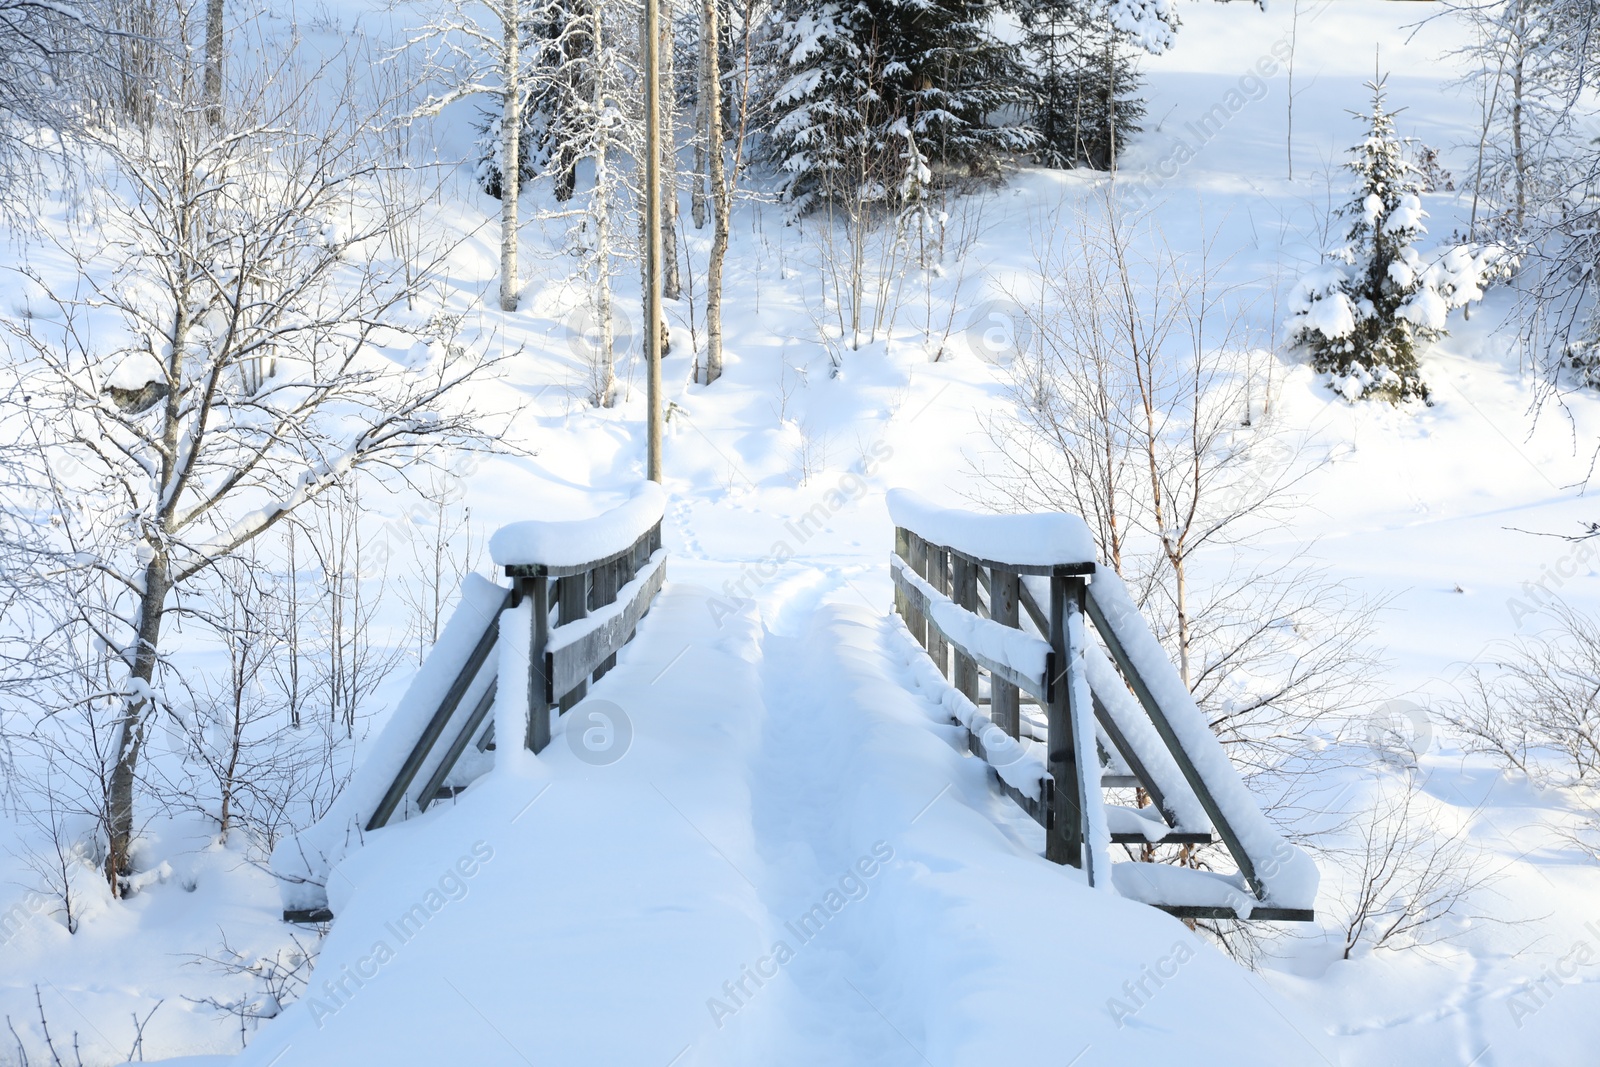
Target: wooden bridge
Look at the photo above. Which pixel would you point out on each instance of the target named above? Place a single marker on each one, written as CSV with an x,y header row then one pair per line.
x,y
1042,657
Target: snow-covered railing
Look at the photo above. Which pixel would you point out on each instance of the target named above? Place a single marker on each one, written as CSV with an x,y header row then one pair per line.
x,y
578,589
1007,607
612,566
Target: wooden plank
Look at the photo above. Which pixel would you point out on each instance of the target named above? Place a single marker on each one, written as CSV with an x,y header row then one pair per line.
x,y
646,544
1158,718
545,570
572,663
398,788
1004,703
1071,795
902,551
307,915
1120,742
964,591
537,590
1206,911
1034,609
1063,841
1176,837
452,754
1045,570
572,604
919,604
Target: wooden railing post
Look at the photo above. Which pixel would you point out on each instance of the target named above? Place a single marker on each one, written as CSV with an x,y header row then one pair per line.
x,y
1063,841
1004,701
939,577
918,559
537,592
964,592
607,581
572,600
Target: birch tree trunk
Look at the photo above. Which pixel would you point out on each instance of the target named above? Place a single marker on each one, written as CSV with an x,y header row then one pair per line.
x,y
212,92
720,193
132,728
605,374
670,283
1519,158
511,153
704,93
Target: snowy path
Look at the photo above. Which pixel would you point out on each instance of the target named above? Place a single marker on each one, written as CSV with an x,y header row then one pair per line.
x,y
788,809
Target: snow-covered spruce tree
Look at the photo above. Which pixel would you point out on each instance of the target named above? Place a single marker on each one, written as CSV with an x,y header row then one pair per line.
x,y
491,147
1363,313
561,31
1083,80
891,93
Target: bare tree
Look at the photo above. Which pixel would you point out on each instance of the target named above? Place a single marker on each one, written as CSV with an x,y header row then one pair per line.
x,y
253,372
1137,404
231,722
251,760
671,287
43,48
351,664
443,552
1535,706
477,49
1413,881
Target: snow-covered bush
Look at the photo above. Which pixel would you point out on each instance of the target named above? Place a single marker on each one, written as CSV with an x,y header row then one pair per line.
x,y
1364,311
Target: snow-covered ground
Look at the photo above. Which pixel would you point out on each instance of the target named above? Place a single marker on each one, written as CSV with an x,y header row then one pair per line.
x,y
780,741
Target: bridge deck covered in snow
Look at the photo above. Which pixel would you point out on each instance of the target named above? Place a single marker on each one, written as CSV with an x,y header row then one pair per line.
x,y
766,849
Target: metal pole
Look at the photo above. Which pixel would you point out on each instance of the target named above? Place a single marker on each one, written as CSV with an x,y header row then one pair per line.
x,y
652,232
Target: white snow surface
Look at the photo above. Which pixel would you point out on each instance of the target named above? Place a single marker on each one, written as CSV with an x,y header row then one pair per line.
x,y
574,542
1030,540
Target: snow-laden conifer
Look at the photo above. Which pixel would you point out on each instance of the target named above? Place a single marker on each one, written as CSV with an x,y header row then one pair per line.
x,y
1367,308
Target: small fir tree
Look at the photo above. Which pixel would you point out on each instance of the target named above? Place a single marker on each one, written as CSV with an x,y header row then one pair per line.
x,y
1363,313
489,148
